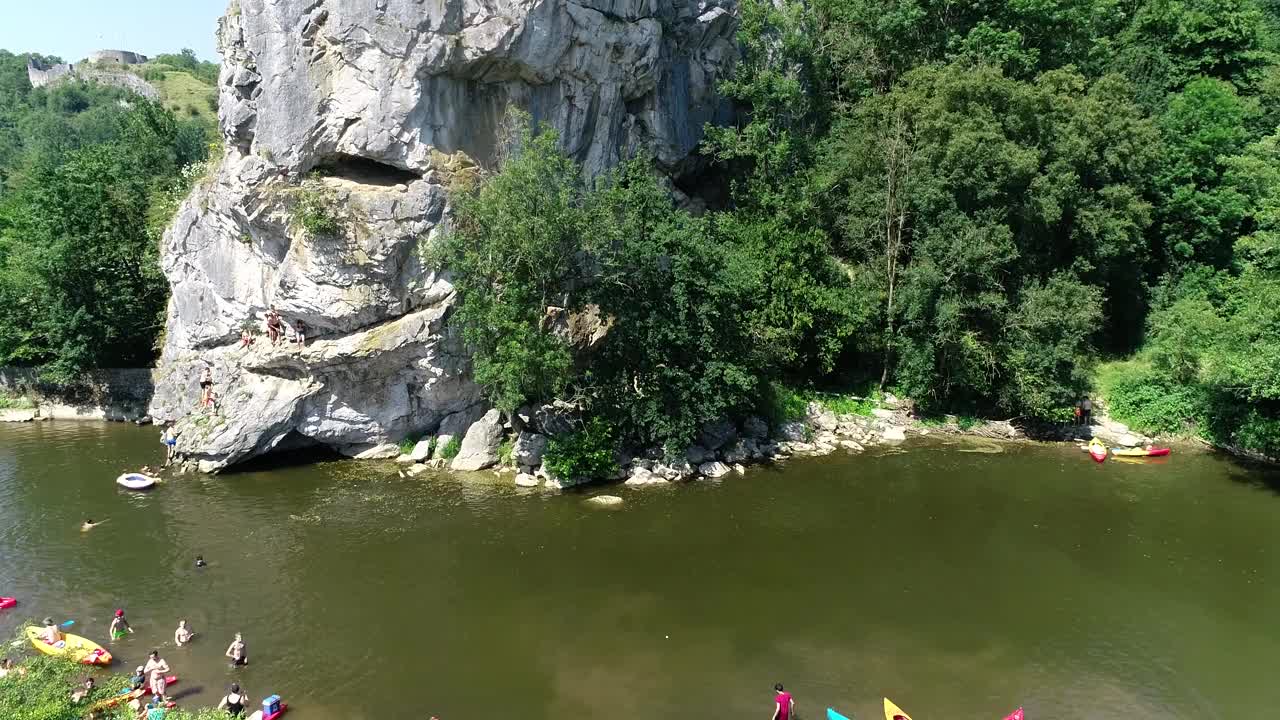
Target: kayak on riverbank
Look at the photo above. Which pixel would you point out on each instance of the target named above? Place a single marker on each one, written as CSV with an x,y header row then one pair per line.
x,y
1140,452
7,602
128,695
75,647
1097,451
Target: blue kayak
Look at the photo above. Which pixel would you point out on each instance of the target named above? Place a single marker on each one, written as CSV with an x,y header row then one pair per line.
x,y
833,715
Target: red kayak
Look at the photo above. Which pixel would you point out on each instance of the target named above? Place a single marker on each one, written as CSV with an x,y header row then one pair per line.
x,y
7,602
1098,451
1015,715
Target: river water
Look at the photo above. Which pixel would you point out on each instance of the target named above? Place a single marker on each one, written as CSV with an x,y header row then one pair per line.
x,y
961,584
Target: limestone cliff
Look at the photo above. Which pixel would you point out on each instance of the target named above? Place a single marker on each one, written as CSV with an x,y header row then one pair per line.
x,y
387,98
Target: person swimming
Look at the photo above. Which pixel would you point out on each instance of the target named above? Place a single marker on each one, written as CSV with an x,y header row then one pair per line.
x,y
183,634
119,626
200,561
89,524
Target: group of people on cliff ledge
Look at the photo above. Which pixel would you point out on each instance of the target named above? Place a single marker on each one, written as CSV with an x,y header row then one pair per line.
x,y
277,330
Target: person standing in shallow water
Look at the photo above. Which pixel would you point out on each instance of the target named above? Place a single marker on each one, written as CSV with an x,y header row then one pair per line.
x,y
119,626
237,651
783,705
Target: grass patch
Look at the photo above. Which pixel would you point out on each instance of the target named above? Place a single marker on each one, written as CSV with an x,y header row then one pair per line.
x,y
16,402
406,445
452,448
842,404
185,95
507,452
315,209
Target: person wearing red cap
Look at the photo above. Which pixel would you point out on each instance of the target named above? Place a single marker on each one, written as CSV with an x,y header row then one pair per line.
x,y
119,626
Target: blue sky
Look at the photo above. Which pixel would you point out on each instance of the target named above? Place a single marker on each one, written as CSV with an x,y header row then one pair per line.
x,y
72,29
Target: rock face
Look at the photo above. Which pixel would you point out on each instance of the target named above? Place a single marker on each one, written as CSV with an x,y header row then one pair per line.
x,y
388,102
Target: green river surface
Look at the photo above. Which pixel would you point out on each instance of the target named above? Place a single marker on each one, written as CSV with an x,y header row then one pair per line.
x,y
960,584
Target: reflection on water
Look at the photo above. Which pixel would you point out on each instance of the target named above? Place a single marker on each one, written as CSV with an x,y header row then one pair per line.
x,y
961,579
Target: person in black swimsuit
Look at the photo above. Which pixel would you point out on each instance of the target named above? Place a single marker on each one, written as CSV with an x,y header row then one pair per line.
x,y
233,702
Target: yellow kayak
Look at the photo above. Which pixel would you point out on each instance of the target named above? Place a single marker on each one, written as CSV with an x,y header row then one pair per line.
x,y
893,712
72,646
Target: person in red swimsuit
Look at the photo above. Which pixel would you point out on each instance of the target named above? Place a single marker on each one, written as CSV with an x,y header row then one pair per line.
x,y
784,706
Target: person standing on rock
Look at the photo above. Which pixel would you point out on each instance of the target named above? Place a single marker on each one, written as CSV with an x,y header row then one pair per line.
x,y
1086,411
301,331
206,387
273,325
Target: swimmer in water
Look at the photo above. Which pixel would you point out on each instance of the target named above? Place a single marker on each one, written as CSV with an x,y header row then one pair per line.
x,y
183,634
238,652
119,626
200,561
89,524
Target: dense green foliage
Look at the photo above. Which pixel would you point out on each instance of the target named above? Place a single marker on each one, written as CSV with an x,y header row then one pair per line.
x,y
89,176
589,452
972,204
41,689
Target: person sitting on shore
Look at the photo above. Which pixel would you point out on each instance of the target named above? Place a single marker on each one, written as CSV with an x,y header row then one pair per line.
x,y
6,667
139,678
119,626
50,633
246,338
238,652
183,634
82,692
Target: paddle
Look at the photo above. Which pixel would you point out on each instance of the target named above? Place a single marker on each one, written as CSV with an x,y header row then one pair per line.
x,y
68,623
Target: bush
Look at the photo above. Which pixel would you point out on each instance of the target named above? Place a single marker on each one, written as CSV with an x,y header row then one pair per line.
x,y
314,209
407,445
1149,401
506,452
587,453
15,402
452,448
43,690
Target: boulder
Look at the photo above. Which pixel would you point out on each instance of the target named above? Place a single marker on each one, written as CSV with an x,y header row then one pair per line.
x,y
822,418
741,450
480,445
883,413
713,469
675,470
526,480
17,416
716,435
529,449
421,450
405,459
381,451
641,477
455,425
605,501
894,433
697,454
794,431
740,469
556,418
755,428
416,470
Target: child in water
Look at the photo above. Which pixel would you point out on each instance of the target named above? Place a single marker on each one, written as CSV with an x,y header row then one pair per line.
x,y
119,626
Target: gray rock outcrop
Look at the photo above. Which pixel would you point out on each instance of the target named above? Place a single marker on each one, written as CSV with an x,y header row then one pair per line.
x,y
480,445
387,103
529,449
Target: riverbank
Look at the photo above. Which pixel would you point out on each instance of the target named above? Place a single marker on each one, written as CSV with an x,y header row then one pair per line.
x,y
110,395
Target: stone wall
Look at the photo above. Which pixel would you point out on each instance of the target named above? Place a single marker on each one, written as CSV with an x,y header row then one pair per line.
x,y
117,394
124,57
43,77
